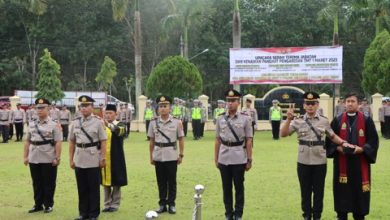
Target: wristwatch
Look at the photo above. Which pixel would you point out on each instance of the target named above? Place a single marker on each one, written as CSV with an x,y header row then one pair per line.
x,y
181,155
249,160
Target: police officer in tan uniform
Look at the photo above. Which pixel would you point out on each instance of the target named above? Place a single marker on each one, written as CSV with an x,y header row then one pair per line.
x,y
311,130
252,112
65,119
233,153
87,154
164,132
5,121
18,119
55,113
129,118
42,152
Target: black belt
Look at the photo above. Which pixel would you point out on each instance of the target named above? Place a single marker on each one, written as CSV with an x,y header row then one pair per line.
x,y
64,119
37,143
4,120
311,143
94,144
232,144
169,144
18,119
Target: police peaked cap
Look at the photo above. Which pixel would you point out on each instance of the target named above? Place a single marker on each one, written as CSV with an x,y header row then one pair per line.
x,y
41,102
311,96
163,99
232,94
84,99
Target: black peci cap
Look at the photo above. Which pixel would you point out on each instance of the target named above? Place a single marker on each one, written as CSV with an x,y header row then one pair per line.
x,y
111,107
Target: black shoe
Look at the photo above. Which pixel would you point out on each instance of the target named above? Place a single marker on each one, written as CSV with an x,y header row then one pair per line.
x,y
113,209
81,218
35,209
93,218
229,217
172,209
48,209
106,209
161,209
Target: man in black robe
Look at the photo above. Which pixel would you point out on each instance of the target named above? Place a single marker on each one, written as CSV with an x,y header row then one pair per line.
x,y
351,170
114,173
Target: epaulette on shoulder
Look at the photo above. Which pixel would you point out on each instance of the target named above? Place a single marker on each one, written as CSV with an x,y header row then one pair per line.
x,y
244,113
154,118
324,116
96,116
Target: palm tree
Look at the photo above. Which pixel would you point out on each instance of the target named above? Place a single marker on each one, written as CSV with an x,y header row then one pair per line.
x,y
377,9
182,19
119,8
236,30
38,8
331,12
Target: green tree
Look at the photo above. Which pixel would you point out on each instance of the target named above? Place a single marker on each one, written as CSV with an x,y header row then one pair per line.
x,y
175,76
182,17
376,72
49,83
105,77
119,8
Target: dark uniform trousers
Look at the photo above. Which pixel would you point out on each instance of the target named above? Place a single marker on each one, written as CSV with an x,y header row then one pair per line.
x,y
386,128
344,216
201,129
166,181
275,129
382,128
88,186
11,131
4,132
312,181
44,177
233,174
127,129
65,132
196,127
19,130
147,122
185,127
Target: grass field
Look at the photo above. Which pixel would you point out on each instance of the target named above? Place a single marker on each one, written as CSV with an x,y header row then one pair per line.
x,y
272,190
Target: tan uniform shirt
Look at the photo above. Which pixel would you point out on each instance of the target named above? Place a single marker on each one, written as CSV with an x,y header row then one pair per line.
x,y
32,115
339,109
386,110
129,116
381,114
5,117
18,116
50,131
55,114
65,117
252,112
87,157
366,109
173,129
121,115
242,125
311,155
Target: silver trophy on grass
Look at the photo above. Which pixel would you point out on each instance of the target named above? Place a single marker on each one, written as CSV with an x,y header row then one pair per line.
x,y
197,215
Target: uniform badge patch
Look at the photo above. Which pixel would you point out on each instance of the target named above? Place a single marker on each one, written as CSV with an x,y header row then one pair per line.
x,y
361,133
